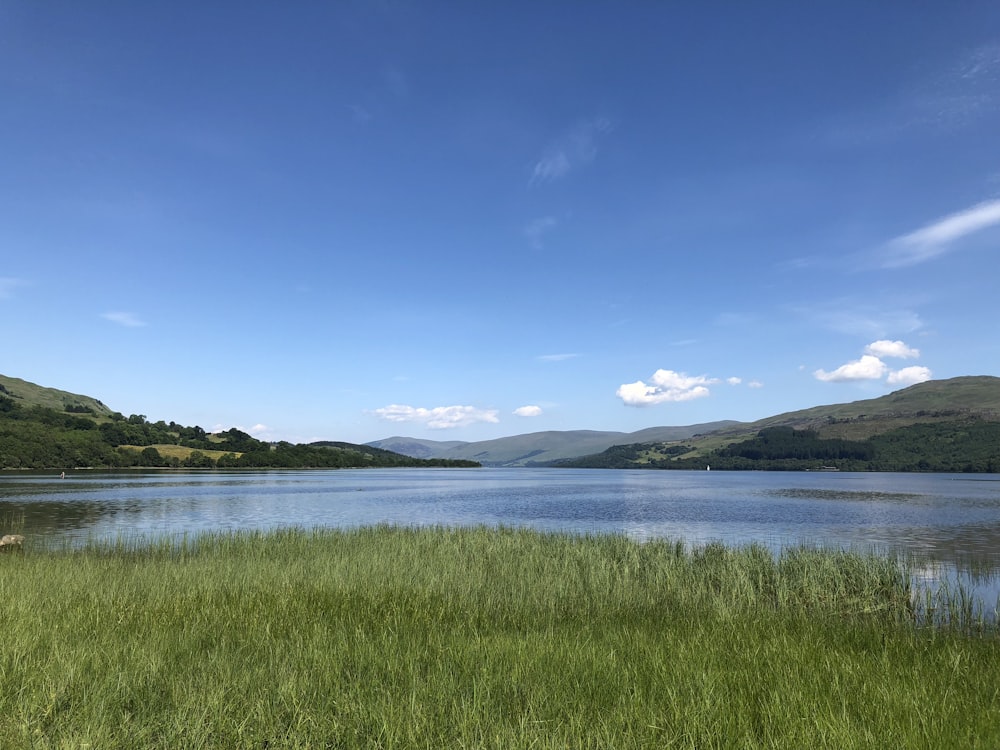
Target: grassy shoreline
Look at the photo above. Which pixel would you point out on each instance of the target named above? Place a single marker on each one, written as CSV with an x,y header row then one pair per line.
x,y
399,638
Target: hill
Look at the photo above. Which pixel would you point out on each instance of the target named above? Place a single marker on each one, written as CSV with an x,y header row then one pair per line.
x,y
416,447
539,448
45,428
944,425
29,394
931,401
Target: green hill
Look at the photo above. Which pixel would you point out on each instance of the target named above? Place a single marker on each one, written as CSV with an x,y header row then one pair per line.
x,y
29,394
943,425
45,428
935,400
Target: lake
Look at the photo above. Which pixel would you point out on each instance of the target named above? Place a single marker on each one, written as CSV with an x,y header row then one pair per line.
x,y
939,517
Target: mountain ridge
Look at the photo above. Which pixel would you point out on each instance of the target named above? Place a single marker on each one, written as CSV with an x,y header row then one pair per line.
x,y
932,401
535,448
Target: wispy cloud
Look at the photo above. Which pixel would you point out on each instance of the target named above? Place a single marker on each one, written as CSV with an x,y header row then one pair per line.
x,y
735,319
961,94
664,386
390,89
938,237
127,319
438,418
528,411
537,228
949,100
359,113
557,357
863,318
8,285
570,151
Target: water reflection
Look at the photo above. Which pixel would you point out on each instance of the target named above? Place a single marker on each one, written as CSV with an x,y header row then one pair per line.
x,y
946,518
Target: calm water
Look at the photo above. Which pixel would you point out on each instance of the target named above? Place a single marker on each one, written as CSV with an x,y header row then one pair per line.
x,y
948,518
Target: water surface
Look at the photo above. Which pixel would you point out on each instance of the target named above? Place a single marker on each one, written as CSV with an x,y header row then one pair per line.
x,y
943,517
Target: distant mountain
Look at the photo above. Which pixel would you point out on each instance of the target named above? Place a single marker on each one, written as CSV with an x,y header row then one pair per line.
x,y
541,447
415,447
936,401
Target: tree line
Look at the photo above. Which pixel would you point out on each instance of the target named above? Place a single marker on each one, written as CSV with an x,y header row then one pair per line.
x,y
970,445
38,437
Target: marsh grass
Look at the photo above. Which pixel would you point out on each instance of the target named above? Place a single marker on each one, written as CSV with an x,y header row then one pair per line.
x,y
397,638
11,523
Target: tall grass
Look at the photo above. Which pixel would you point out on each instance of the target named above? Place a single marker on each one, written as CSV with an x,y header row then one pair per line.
x,y
398,638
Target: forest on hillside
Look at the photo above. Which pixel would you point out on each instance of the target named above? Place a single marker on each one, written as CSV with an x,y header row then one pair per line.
x,y
37,437
964,445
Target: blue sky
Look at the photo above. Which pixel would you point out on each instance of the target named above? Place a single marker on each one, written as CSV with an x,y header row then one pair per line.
x,y
461,221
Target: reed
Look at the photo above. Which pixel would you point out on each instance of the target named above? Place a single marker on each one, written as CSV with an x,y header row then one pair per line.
x,y
404,638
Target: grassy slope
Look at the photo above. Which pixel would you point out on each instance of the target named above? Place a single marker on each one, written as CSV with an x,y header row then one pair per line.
x,y
51,398
180,451
859,420
979,395
474,638
538,447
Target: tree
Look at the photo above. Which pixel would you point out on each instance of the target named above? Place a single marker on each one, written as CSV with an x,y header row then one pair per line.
x,y
151,457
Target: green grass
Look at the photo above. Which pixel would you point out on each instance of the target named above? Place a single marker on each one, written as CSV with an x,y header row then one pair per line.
x,y
179,451
434,638
51,398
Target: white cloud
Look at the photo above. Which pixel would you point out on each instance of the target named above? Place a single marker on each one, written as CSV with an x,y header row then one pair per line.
x,y
734,381
528,411
571,151
537,228
871,367
909,376
755,384
438,418
866,368
127,319
897,349
666,385
556,357
935,239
